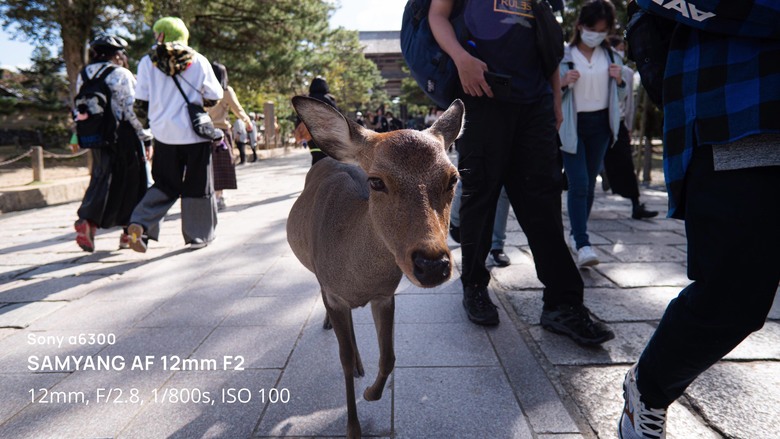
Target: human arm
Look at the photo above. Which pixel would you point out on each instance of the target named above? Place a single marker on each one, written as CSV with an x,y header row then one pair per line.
x,y
555,83
470,69
232,100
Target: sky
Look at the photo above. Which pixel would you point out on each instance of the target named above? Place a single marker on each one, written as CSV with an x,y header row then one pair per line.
x,y
363,15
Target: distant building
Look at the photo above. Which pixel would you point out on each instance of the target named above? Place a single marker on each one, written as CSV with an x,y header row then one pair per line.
x,y
384,49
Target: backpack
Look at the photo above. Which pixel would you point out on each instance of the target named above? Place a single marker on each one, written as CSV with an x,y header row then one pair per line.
x,y
430,66
95,122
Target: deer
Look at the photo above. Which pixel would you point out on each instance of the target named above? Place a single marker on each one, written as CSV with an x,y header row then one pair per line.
x,y
376,209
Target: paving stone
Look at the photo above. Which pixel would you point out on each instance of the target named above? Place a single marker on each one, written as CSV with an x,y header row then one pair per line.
x,y
630,339
644,253
649,237
603,225
88,269
740,399
443,344
287,276
7,332
658,223
15,388
430,403
429,308
598,393
521,275
634,275
452,286
629,304
516,238
56,289
761,345
96,315
217,419
560,436
539,400
774,312
273,310
527,304
22,315
316,383
260,347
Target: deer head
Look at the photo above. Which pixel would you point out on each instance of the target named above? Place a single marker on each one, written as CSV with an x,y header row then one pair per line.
x,y
410,180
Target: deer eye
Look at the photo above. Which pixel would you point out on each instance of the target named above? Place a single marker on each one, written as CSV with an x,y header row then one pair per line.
x,y
377,184
453,181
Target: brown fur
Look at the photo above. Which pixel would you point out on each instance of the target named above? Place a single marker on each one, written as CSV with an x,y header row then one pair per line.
x,y
359,241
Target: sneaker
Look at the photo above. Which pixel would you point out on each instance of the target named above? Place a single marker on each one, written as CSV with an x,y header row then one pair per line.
x,y
221,204
639,421
574,322
455,233
198,243
586,257
138,241
640,212
85,235
479,308
500,258
124,241
572,243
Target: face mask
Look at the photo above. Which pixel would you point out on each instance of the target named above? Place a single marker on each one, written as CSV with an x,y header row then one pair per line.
x,y
621,53
592,39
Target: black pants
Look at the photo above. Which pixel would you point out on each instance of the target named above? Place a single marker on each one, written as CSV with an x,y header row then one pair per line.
x,y
731,219
619,166
241,151
513,145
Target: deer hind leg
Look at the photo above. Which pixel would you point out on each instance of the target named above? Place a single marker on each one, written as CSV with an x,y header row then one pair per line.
x,y
342,327
325,323
383,310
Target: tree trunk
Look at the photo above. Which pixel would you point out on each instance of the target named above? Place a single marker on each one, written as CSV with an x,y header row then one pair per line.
x,y
76,18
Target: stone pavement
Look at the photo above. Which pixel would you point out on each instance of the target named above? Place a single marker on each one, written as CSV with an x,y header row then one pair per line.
x,y
226,342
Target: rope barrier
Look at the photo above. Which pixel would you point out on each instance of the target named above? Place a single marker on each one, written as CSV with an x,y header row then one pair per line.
x,y
46,154
16,159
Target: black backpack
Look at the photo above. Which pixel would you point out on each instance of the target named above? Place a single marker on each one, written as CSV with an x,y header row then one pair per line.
x,y
95,121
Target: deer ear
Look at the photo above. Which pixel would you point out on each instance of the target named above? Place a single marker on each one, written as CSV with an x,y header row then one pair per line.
x,y
337,137
450,125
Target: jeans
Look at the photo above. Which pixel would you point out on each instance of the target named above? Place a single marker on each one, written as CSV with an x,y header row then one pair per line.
x,y
513,145
499,223
593,138
734,263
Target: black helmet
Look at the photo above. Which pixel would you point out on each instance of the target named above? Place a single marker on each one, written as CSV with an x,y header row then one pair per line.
x,y
108,44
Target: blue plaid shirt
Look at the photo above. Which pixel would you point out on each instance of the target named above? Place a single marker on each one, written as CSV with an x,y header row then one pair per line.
x,y
722,80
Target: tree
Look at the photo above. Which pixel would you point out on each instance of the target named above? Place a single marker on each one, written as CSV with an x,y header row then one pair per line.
x,y
43,82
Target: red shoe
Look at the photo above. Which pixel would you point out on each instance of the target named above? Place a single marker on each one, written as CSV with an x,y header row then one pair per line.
x,y
85,235
124,241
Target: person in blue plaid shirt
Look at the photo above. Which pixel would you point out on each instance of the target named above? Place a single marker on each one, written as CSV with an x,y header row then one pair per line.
x,y
721,99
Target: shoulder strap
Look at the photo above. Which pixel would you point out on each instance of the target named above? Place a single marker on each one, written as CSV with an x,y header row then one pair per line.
x,y
180,89
611,55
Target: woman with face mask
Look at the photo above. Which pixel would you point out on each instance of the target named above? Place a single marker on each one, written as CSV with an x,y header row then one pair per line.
x,y
592,88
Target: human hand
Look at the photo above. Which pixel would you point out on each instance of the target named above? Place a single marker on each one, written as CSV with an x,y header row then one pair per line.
x,y
570,78
616,72
149,152
472,76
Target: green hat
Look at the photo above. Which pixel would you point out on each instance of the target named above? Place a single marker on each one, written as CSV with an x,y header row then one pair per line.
x,y
173,28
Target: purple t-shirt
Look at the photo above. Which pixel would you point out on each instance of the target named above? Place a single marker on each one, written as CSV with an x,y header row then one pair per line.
x,y
504,35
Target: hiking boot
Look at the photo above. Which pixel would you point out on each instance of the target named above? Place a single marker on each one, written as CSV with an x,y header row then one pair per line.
x,y
637,420
479,308
85,235
124,241
455,233
574,322
640,212
586,257
500,258
138,241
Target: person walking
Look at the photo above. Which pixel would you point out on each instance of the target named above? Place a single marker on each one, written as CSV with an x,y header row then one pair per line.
x,y
722,170
510,140
222,154
593,86
182,162
253,135
118,177
241,137
618,160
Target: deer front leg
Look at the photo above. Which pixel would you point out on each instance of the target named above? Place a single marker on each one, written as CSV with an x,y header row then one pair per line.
x,y
341,320
383,310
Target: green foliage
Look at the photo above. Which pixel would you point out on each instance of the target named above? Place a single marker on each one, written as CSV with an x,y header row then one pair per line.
x,y
44,82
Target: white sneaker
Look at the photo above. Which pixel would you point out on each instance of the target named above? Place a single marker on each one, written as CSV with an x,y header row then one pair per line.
x,y
637,420
586,257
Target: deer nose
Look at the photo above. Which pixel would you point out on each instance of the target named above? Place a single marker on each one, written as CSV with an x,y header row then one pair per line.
x,y
431,272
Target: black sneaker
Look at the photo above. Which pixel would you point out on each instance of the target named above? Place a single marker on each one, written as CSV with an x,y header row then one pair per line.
x,y
455,233
640,212
479,308
500,258
574,321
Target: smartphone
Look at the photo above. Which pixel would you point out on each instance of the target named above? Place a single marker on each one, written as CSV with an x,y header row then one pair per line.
x,y
500,84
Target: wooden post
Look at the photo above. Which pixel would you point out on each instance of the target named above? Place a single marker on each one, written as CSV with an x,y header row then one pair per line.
x,y
270,130
37,163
